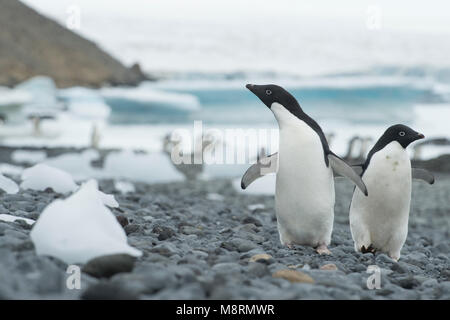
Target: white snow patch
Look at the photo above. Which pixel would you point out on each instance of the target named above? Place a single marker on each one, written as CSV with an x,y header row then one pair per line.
x,y
257,206
80,228
8,185
124,186
11,218
27,156
42,176
214,197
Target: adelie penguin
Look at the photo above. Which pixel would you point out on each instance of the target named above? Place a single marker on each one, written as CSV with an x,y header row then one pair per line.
x,y
379,222
304,196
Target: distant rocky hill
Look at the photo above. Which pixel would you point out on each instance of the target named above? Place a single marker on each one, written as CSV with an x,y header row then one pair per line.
x,y
31,44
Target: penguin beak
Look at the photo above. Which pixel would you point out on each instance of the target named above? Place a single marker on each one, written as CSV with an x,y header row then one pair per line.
x,y
250,87
420,136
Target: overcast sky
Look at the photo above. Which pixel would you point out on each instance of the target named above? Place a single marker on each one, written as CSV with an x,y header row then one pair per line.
x,y
418,15
309,37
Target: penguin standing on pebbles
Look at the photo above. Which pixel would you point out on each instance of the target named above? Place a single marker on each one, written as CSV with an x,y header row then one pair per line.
x,y
304,196
379,222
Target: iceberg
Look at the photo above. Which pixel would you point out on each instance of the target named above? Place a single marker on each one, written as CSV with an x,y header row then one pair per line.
x,y
41,89
80,228
13,97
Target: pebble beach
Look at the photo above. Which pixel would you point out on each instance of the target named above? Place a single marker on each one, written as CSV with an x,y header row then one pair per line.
x,y
205,240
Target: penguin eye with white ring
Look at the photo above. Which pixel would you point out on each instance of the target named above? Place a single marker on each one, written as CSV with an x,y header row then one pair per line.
x,y
401,133
268,92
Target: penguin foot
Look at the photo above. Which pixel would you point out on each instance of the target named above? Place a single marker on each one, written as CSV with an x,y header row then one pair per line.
x,y
290,245
394,257
322,249
369,249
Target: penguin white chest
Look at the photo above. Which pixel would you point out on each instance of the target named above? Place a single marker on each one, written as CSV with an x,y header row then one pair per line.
x,y
304,197
381,218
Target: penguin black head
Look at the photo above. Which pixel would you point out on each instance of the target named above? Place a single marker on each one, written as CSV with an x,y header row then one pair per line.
x,y
271,93
402,134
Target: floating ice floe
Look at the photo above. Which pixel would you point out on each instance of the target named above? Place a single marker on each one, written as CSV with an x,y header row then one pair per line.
x,y
27,156
80,228
147,96
8,185
11,218
124,186
42,91
42,176
85,103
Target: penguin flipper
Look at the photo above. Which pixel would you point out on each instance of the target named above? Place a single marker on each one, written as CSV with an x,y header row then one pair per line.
x,y
358,168
422,174
340,167
264,166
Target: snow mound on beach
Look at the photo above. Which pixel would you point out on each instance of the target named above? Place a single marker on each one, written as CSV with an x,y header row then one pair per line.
x,y
148,168
9,169
42,176
78,164
108,200
80,228
8,185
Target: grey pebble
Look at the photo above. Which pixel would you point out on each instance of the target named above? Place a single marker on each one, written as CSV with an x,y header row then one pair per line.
x,y
107,266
